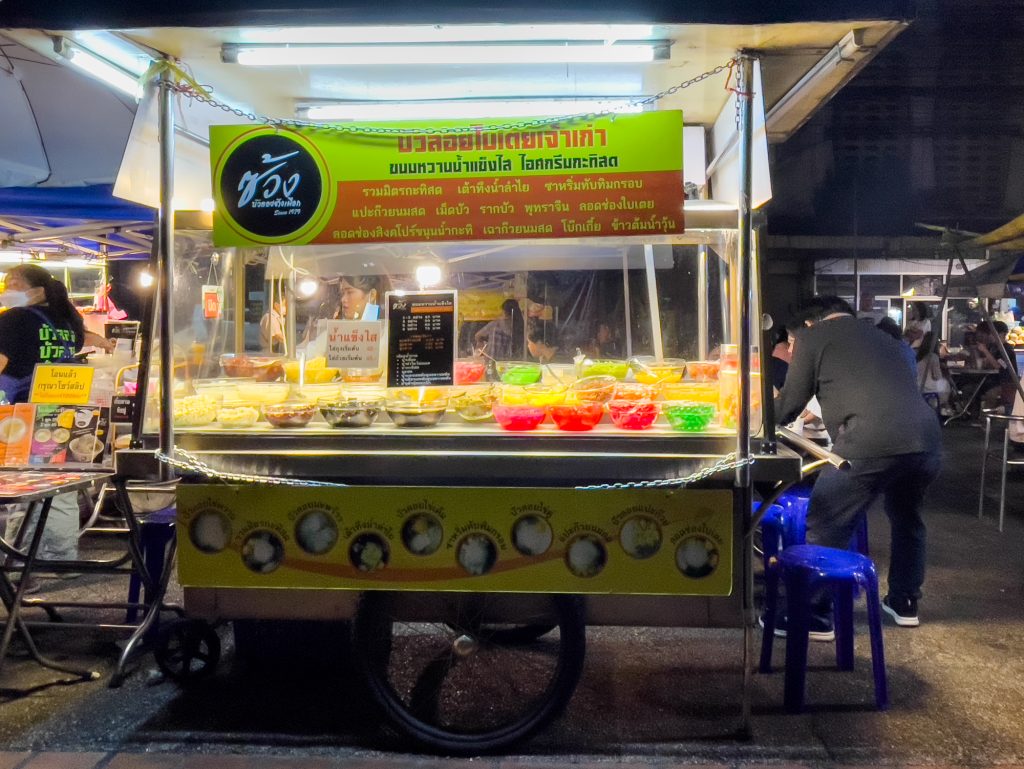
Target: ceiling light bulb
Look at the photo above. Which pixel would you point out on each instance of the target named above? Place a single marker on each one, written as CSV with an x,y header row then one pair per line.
x,y
307,287
428,275
207,206
146,279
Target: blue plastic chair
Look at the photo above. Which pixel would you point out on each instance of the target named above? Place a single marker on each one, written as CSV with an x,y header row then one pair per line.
x,y
156,530
805,569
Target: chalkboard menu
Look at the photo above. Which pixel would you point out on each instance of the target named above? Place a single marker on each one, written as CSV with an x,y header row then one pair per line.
x,y
421,338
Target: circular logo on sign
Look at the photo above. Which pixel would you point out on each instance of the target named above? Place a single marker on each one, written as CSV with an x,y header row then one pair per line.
x,y
271,185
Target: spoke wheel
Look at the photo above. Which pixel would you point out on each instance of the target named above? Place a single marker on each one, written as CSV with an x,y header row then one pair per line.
x,y
461,684
187,650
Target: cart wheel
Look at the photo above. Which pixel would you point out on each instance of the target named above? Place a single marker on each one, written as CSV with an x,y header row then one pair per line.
x,y
187,650
461,685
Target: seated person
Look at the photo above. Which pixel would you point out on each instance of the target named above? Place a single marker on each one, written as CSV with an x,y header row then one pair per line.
x,y
537,346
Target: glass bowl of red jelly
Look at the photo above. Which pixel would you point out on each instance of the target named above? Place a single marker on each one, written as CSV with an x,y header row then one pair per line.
x,y
633,415
519,417
469,370
577,417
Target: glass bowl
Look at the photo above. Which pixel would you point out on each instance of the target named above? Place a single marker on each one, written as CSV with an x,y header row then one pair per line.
x,y
689,416
649,371
361,375
616,368
238,416
534,395
577,417
351,412
406,413
316,372
474,404
519,417
317,392
592,389
703,370
703,392
469,370
633,392
263,393
219,389
633,415
289,414
260,367
519,372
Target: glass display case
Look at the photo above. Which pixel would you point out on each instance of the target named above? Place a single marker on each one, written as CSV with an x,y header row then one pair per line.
x,y
584,360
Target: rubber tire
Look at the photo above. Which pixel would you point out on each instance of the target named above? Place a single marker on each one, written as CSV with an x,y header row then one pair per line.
x,y
190,634
572,649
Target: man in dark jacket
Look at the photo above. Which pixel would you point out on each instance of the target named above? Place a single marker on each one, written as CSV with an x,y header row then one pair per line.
x,y
878,420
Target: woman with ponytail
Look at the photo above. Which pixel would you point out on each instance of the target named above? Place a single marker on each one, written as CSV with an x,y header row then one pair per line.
x,y
41,325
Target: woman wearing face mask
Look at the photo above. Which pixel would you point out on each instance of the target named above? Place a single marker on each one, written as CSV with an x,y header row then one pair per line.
x,y
41,325
358,292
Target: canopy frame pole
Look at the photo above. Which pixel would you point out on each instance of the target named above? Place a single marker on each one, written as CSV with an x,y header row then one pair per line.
x,y
703,281
652,302
745,95
626,309
165,264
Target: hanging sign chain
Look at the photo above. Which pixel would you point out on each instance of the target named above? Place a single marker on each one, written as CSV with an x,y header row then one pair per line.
x,y
187,86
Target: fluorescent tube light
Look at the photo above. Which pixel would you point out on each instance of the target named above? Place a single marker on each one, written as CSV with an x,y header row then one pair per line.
x,y
114,49
441,54
103,70
466,108
12,257
819,85
460,33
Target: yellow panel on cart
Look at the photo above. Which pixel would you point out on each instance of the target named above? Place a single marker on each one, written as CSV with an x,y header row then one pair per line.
x,y
637,542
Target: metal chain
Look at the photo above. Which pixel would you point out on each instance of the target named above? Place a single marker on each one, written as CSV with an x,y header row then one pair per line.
x,y
188,462
183,460
191,92
728,462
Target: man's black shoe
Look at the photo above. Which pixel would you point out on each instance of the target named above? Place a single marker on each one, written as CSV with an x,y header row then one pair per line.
x,y
821,628
903,610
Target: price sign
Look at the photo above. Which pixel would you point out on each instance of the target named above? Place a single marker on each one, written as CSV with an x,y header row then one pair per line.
x,y
213,301
421,338
122,409
55,383
353,343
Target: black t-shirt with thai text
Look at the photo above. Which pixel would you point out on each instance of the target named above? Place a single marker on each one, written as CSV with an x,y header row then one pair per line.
x,y
30,335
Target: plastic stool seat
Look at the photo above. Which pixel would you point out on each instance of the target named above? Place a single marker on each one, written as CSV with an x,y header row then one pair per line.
x,y
826,562
805,569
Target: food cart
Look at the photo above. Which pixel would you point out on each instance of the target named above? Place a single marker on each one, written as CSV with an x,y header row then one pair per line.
x,y
472,511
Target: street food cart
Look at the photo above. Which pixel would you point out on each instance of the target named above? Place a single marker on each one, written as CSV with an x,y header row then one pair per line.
x,y
473,510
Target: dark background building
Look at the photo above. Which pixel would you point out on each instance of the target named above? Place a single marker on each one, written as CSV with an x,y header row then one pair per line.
x,y
932,130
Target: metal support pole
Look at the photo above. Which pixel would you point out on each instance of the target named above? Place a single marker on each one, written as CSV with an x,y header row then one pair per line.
x,y
289,316
625,295
165,262
238,279
745,64
702,302
652,302
768,442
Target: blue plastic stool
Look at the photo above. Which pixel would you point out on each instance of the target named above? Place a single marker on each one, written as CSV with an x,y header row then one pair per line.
x,y
156,532
791,524
804,569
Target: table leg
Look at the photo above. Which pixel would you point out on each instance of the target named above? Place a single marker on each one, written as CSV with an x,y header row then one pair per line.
x,y
970,401
15,595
